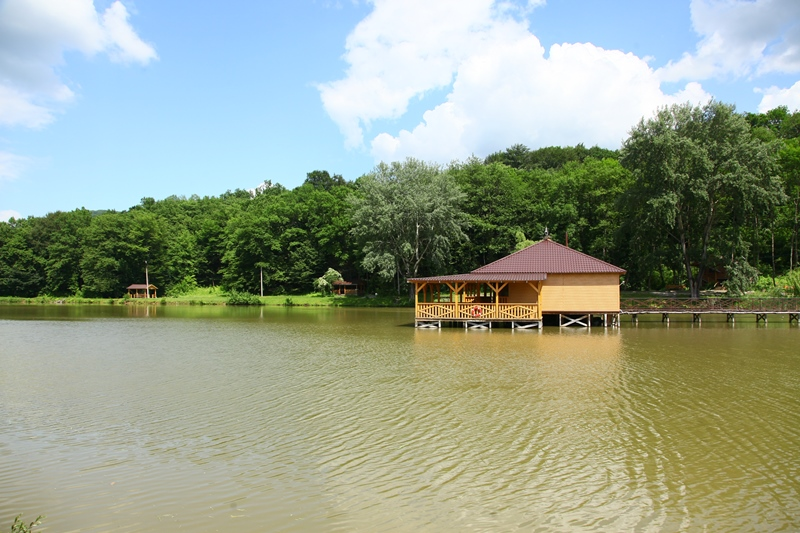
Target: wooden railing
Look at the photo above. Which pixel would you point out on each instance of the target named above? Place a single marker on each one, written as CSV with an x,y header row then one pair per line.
x,y
719,305
477,311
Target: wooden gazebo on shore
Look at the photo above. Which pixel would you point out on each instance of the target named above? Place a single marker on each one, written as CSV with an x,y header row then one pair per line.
x,y
348,288
546,278
139,290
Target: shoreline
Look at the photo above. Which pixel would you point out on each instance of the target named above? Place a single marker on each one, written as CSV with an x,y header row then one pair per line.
x,y
266,301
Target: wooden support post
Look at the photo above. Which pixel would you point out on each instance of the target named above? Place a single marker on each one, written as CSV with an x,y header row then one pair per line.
x,y
665,318
760,317
794,317
537,286
455,291
730,318
697,317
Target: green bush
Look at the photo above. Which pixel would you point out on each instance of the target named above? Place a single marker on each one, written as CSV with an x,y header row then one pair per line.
x,y
324,284
793,282
242,298
186,285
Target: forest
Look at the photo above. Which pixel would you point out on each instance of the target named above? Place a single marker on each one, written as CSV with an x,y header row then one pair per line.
x,y
692,190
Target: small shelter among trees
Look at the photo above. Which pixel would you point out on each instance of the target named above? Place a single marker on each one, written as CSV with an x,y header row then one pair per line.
x,y
139,290
347,288
546,278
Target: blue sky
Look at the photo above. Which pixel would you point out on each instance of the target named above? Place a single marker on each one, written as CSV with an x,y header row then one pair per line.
x,y
103,103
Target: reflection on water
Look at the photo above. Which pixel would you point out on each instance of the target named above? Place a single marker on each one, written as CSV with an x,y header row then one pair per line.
x,y
151,418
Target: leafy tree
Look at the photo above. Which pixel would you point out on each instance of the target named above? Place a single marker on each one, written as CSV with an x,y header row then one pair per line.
x,y
253,242
789,159
321,179
548,157
497,203
324,283
406,215
116,248
22,270
61,240
699,177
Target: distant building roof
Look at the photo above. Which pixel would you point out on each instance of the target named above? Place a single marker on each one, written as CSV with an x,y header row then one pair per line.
x,y
141,286
533,264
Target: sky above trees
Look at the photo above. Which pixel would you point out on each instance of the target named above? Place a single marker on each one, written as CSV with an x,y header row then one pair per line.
x,y
103,103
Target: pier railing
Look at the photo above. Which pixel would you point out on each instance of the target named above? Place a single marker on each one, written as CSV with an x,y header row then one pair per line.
x,y
710,305
477,311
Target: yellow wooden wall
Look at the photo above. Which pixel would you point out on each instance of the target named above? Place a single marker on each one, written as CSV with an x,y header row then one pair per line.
x,y
580,293
521,293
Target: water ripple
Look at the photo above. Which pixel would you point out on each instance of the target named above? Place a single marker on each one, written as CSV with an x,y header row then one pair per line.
x,y
342,421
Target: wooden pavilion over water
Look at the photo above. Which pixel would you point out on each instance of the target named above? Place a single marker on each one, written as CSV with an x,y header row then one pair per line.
x,y
546,278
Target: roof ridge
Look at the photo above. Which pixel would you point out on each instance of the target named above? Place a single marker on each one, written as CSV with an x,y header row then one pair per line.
x,y
593,258
551,257
512,254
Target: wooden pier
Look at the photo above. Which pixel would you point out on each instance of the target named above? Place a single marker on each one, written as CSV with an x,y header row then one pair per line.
x,y
761,308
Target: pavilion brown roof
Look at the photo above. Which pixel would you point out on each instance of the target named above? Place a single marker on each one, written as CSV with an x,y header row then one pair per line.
x,y
488,276
551,258
533,264
141,286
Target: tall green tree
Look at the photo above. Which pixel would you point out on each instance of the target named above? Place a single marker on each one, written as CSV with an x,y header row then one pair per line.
x,y
61,238
700,177
789,158
497,205
407,215
116,246
22,269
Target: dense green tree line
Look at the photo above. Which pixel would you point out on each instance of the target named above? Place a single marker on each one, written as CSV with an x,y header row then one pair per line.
x,y
692,189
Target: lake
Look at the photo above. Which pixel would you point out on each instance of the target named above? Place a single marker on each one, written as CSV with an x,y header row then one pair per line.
x,y
136,418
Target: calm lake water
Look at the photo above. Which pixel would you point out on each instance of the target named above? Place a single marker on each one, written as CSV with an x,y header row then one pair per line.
x,y
273,419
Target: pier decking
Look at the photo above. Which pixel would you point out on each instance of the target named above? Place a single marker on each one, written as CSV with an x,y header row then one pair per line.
x,y
731,307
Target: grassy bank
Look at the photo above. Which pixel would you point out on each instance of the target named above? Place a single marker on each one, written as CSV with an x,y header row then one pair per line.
x,y
216,296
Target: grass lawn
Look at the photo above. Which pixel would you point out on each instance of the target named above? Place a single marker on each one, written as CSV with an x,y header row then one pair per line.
x,y
216,296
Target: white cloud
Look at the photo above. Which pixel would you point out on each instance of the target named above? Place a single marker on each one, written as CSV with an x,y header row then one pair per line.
x,y
741,38
11,166
7,214
121,41
503,87
405,48
17,109
774,97
34,34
